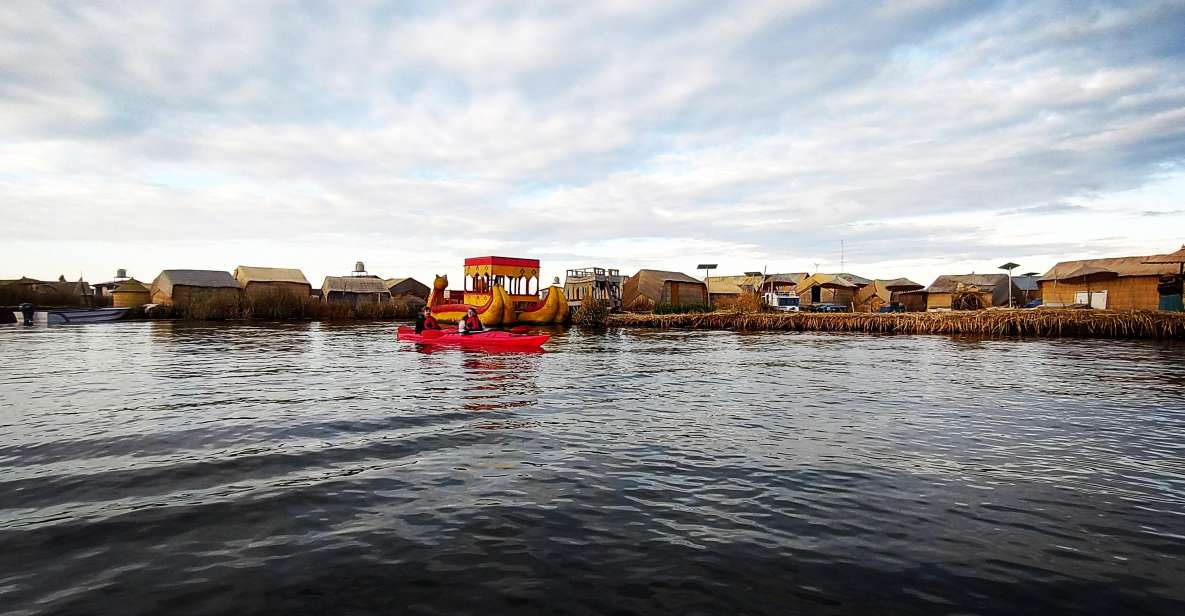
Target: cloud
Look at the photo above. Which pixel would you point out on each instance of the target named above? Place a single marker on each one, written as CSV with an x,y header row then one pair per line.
x,y
625,133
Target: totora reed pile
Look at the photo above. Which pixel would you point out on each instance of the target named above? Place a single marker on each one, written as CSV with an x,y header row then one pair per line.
x,y
1043,322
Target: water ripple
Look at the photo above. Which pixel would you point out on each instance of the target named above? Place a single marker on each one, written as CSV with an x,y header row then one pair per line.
x,y
312,468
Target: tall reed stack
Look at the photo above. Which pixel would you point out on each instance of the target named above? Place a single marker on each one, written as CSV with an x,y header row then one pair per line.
x,y
1024,323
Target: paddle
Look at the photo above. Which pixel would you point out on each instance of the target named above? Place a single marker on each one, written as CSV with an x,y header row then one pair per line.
x,y
431,333
520,329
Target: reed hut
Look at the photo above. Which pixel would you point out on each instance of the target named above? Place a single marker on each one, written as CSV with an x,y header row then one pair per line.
x,y
259,282
130,294
46,293
354,290
649,288
407,288
1123,283
183,286
830,289
968,292
880,293
732,287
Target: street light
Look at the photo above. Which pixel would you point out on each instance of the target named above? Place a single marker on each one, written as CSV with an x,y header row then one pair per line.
x,y
707,267
1009,266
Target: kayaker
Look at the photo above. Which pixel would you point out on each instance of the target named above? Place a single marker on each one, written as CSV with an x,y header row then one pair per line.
x,y
471,322
425,320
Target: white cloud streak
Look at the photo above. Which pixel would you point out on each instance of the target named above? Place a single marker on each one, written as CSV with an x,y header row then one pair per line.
x,y
929,137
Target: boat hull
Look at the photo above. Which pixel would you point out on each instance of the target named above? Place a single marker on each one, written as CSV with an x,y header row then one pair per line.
x,y
75,317
493,340
492,314
552,309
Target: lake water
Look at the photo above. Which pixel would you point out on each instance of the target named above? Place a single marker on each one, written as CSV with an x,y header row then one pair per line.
x,y
168,468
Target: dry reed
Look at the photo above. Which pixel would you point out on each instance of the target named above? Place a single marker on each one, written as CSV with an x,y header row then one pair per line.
x,y
1024,323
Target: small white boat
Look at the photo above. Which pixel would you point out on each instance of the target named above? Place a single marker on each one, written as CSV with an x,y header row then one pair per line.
x,y
74,316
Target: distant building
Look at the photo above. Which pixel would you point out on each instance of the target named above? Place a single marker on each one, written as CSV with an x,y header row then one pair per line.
x,y
46,293
354,290
830,289
1029,288
405,288
260,281
881,293
130,293
731,287
103,289
1124,283
594,283
187,286
648,288
968,292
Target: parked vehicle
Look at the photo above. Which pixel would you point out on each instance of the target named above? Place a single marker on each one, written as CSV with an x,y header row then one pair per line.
x,y
827,308
782,302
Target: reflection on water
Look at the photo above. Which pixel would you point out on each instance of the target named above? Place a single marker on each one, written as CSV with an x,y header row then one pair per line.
x,y
312,468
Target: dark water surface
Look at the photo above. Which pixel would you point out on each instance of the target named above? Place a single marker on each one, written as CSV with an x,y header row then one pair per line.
x,y
162,468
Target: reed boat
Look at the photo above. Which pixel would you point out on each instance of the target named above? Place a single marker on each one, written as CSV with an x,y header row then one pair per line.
x,y
503,290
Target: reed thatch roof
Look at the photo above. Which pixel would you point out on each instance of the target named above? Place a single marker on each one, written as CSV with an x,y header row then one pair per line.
x,y
841,280
1120,266
949,283
354,284
735,285
732,285
130,285
884,289
245,274
1177,257
166,280
650,283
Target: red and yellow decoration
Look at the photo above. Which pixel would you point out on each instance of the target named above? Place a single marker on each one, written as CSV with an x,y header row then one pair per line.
x,y
504,290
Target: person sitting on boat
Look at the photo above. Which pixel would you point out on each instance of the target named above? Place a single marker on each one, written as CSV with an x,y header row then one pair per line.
x,y
425,320
471,322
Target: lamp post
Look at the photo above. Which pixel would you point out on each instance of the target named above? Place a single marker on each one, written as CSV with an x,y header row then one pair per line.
x,y
707,267
1009,266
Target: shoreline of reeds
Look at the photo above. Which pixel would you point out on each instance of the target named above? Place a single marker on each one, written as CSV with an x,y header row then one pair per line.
x,y
1146,324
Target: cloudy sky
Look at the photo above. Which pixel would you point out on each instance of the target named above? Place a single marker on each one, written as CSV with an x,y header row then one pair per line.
x,y
926,137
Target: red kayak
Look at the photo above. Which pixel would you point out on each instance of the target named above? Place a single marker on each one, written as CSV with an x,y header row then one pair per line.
x,y
492,339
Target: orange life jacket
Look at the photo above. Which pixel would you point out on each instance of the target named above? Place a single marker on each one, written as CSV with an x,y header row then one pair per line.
x,y
430,322
472,322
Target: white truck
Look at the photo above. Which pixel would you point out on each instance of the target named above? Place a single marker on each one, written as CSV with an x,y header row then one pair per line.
x,y
782,302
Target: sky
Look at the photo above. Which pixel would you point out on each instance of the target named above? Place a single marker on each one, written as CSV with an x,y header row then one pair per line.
x,y
911,138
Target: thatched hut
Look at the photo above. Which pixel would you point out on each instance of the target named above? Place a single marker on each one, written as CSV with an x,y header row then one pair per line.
x,y
259,282
354,290
406,288
129,294
830,289
182,286
968,292
46,293
1124,283
732,287
880,293
649,288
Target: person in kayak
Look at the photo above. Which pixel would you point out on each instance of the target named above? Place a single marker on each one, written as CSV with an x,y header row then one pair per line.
x,y
425,320
471,323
